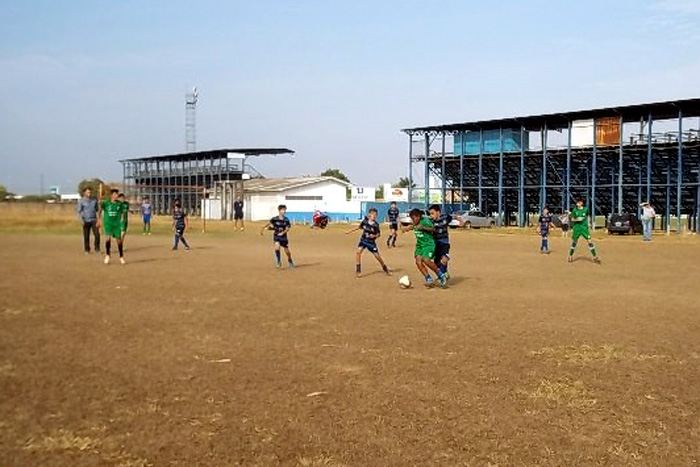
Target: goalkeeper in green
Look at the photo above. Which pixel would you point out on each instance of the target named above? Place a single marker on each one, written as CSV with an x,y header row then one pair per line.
x,y
579,220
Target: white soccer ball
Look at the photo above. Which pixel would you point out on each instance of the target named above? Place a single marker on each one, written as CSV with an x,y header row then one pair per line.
x,y
405,282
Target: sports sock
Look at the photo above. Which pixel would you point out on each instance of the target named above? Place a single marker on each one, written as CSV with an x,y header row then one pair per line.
x,y
358,268
545,244
571,250
177,241
385,268
278,256
428,278
443,268
120,247
393,240
108,246
592,248
184,242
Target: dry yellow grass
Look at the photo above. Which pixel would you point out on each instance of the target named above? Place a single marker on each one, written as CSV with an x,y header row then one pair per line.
x,y
563,391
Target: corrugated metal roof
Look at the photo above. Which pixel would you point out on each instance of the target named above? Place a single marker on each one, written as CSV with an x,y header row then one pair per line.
x,y
212,154
629,113
283,184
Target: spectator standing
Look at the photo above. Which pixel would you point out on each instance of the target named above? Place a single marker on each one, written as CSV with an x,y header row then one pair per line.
x,y
648,216
88,214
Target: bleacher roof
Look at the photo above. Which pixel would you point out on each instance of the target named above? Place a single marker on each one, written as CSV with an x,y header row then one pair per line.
x,y
276,185
212,154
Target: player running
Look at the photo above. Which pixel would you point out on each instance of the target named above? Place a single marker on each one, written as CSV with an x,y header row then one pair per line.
x,y
441,235
544,223
180,224
392,216
368,241
281,226
423,228
112,210
146,211
125,215
579,220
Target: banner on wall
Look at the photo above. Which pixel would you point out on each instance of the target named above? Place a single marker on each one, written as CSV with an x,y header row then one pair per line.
x,y
400,195
362,193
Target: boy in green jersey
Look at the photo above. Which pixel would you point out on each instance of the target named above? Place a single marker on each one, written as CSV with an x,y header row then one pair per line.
x,y
579,220
424,255
125,214
112,210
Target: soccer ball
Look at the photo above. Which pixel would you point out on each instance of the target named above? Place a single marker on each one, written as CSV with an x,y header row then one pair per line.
x,y
405,282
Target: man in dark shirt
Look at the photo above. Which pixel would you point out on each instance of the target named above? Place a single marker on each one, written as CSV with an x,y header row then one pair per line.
x,y
441,234
280,226
368,241
544,223
238,214
392,216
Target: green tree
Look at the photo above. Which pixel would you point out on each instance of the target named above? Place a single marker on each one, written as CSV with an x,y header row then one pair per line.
x,y
94,185
3,193
403,183
379,192
335,173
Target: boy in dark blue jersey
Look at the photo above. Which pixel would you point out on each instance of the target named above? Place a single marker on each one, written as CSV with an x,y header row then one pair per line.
x,y
180,224
392,216
368,240
544,223
280,226
441,234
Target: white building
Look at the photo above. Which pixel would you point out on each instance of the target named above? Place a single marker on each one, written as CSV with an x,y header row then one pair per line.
x,y
302,196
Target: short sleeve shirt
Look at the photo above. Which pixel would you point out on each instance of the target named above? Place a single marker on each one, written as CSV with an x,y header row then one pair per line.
x,y
545,220
179,218
393,215
369,229
441,224
279,225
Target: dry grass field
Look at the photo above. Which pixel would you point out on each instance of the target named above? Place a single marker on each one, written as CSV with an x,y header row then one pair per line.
x,y
214,357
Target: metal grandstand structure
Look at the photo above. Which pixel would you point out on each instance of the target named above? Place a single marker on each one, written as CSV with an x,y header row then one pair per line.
x,y
512,167
187,176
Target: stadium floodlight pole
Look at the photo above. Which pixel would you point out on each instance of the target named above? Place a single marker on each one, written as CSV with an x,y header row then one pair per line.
x,y
521,188
593,171
500,178
568,168
679,172
649,154
543,188
481,161
461,169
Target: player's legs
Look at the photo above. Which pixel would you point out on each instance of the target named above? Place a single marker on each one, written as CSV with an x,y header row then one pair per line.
x,y
120,247
278,254
394,234
184,242
423,270
358,260
385,268
544,247
592,249
289,256
176,240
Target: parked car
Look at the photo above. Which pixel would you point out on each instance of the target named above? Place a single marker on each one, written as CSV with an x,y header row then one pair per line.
x,y
624,223
404,219
471,219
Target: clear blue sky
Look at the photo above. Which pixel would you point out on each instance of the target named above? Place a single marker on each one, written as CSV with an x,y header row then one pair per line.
x,y
84,83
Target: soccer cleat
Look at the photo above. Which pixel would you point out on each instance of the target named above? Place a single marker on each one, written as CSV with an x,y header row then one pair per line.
x,y
106,259
121,260
187,248
442,282
447,276
596,260
571,259
429,283
291,265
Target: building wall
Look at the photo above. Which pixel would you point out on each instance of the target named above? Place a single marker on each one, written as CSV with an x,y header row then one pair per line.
x,y
263,206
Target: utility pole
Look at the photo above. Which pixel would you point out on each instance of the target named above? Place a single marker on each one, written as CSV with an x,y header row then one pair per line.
x,y
191,121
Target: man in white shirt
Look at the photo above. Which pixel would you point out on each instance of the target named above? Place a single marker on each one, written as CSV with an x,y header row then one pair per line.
x,y
648,215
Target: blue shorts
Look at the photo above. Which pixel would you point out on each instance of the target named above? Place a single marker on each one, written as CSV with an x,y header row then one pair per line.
x,y
441,249
368,245
283,241
544,233
146,218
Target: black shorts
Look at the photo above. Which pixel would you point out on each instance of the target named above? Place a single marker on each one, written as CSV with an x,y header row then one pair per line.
x,y
441,249
283,241
238,216
369,246
393,226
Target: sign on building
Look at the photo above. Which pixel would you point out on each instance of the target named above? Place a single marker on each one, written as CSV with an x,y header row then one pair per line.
x,y
400,195
362,193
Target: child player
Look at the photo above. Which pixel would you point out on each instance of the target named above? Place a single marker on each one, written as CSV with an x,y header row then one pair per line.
x,y
425,247
579,221
280,226
544,223
368,240
441,224
180,224
112,223
146,210
392,215
125,215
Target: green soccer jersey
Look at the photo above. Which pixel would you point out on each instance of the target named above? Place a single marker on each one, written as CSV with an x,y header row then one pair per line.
x,y
424,239
580,213
125,215
112,212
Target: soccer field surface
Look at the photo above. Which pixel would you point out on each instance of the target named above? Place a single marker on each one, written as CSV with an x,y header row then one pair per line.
x,y
215,357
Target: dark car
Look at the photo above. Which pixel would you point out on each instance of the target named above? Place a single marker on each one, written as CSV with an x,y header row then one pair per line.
x,y
624,223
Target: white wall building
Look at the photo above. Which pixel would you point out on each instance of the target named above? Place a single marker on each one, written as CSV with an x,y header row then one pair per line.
x,y
302,196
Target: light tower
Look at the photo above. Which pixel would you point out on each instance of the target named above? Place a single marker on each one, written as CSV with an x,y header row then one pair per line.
x,y
191,121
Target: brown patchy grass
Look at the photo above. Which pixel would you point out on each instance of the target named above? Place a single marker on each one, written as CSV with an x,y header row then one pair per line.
x,y
215,358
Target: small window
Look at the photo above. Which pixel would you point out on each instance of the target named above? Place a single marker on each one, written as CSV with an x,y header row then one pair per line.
x,y
304,198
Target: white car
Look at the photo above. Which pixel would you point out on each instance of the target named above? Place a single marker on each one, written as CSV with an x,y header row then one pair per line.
x,y
469,219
